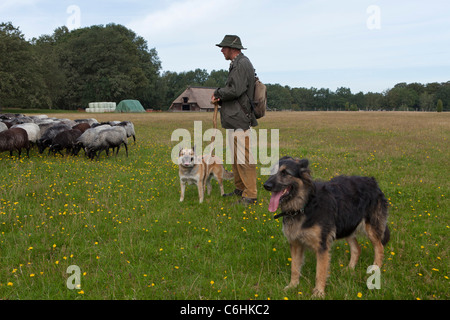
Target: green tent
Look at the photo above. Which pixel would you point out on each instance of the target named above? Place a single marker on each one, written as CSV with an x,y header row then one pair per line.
x,y
130,106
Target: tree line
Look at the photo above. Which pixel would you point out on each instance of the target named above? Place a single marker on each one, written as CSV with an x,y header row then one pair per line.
x,y
69,69
402,97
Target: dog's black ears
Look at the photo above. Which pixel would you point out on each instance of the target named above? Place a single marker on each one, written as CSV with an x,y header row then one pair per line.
x,y
303,167
286,158
302,163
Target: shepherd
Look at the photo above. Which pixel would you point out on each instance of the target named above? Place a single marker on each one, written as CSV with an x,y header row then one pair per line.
x,y
236,114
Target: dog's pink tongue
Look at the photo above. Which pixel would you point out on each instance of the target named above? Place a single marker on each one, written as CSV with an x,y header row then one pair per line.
x,y
274,201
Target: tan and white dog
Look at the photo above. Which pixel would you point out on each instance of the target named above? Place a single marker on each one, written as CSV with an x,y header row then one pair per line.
x,y
199,170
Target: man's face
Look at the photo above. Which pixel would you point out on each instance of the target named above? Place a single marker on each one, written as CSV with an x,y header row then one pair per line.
x,y
227,53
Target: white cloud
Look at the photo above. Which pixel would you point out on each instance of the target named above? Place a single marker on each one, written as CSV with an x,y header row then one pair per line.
x,y
15,4
182,21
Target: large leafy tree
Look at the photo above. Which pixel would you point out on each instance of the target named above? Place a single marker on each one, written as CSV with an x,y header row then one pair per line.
x,y
304,99
402,97
107,64
443,94
21,83
54,78
278,97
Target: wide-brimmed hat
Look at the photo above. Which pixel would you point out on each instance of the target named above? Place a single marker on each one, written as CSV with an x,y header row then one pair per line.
x,y
231,41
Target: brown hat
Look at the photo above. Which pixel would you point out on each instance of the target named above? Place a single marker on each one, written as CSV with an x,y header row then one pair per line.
x,y
231,41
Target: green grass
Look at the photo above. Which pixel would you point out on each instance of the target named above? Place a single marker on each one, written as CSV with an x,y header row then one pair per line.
x,y
120,219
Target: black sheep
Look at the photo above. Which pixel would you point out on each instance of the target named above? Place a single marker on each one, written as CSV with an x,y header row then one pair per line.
x,y
65,140
14,139
47,137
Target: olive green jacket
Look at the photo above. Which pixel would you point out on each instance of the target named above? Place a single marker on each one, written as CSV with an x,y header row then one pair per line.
x,y
235,96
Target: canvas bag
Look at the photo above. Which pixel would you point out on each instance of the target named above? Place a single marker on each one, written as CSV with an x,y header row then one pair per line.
x,y
259,101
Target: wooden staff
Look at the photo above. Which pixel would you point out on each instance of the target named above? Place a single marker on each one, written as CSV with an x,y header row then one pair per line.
x,y
213,138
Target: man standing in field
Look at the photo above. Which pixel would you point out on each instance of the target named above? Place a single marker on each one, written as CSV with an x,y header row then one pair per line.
x,y
236,114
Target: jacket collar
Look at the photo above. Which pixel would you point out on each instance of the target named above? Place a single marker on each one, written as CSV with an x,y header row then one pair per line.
x,y
237,58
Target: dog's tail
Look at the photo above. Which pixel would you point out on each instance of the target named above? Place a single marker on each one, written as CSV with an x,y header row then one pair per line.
x,y
227,175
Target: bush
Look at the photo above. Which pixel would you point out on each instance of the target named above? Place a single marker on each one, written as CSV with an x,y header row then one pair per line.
x,y
439,106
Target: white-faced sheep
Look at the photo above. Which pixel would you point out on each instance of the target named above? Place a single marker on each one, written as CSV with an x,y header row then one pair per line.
x,y
109,138
14,139
65,140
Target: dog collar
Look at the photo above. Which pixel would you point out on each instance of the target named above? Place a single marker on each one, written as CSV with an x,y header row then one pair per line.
x,y
289,213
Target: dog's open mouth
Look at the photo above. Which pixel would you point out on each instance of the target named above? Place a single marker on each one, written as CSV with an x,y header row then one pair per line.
x,y
276,197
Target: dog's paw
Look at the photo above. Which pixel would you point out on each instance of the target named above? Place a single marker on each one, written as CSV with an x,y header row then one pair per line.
x,y
181,199
318,293
291,286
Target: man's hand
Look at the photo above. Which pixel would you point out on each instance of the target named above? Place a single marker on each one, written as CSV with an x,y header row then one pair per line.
x,y
214,99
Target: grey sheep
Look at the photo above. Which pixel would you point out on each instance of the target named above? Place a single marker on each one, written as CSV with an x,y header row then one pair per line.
x,y
129,128
87,138
109,138
90,121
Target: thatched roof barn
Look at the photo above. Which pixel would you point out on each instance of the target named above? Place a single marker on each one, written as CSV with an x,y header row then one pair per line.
x,y
194,99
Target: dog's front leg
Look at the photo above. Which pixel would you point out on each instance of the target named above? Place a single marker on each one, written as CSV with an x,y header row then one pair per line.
x,y
183,187
297,250
323,261
220,181
201,190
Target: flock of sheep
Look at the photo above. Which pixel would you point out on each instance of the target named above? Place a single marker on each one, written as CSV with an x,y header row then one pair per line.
x,y
18,132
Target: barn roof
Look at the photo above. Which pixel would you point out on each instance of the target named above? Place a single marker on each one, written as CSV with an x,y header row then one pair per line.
x,y
199,95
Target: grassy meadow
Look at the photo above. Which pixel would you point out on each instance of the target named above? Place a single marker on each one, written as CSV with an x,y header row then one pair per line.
x,y
120,221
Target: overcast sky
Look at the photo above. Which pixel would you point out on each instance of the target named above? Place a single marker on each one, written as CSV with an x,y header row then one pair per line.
x,y
365,45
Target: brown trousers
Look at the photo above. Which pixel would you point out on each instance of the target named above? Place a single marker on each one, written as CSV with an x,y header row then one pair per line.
x,y
244,164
